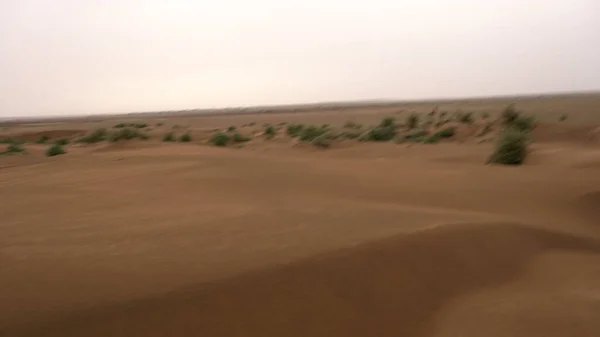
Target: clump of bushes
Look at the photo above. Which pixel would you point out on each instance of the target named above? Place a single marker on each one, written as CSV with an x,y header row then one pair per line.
x,y
97,136
412,121
509,115
168,137
416,135
446,132
465,118
185,138
511,147
43,139
62,141
14,148
321,141
219,139
293,130
231,128
238,138
55,150
523,123
270,131
126,134
387,122
311,132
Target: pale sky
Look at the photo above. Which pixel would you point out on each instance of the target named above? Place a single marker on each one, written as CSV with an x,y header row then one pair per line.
x,y
109,56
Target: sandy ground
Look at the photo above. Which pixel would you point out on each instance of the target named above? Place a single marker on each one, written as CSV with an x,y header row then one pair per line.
x,y
155,239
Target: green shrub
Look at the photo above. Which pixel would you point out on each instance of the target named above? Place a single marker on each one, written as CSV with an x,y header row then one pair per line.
x,y
416,135
97,136
432,139
321,141
465,118
293,130
381,133
43,139
525,124
387,122
62,141
55,150
185,138
270,131
120,126
7,141
126,134
446,132
412,121
238,138
168,137
219,139
486,129
511,148
14,148
510,114
231,128
311,132
350,134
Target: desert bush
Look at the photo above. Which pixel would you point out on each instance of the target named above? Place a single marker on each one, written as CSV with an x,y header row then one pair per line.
x,y
412,121
562,118
311,132
351,125
219,139
185,138
486,129
231,128
387,122
14,148
433,112
120,126
270,131
43,139
416,135
6,141
381,133
126,134
465,118
321,141
140,125
511,147
432,139
446,132
62,141
510,114
168,137
350,134
238,138
293,130
160,124
485,115
55,150
524,123
97,136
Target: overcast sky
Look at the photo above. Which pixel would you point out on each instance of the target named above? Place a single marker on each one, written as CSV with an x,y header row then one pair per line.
x,y
105,56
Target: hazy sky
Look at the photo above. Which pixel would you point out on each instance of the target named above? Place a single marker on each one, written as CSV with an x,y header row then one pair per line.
x,y
95,56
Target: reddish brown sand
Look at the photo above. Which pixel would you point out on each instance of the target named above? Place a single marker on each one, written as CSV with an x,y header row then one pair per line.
x,y
154,239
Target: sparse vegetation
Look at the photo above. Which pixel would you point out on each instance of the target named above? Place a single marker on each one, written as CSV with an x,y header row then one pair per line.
x,y
510,114
14,148
126,134
485,130
62,141
168,137
55,150
511,147
293,130
185,138
219,139
416,135
231,128
238,138
97,136
270,131
43,139
562,118
352,125
446,132
412,121
387,122
432,139
321,141
524,123
311,132
465,117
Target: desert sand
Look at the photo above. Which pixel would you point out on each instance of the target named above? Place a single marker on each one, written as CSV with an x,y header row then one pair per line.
x,y
146,238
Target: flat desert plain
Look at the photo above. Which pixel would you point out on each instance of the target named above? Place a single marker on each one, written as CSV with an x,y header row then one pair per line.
x,y
275,237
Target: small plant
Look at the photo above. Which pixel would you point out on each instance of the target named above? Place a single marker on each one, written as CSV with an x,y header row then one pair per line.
x,y
446,132
433,112
465,118
351,125
381,133
55,150
97,136
511,148
432,139
168,137
126,134
311,132
486,129
185,138
350,134
416,135
270,131
14,148
510,114
160,124
219,139
141,125
43,139
321,141
562,118
412,121
485,115
231,128
62,141
238,138
293,130
387,122
525,124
